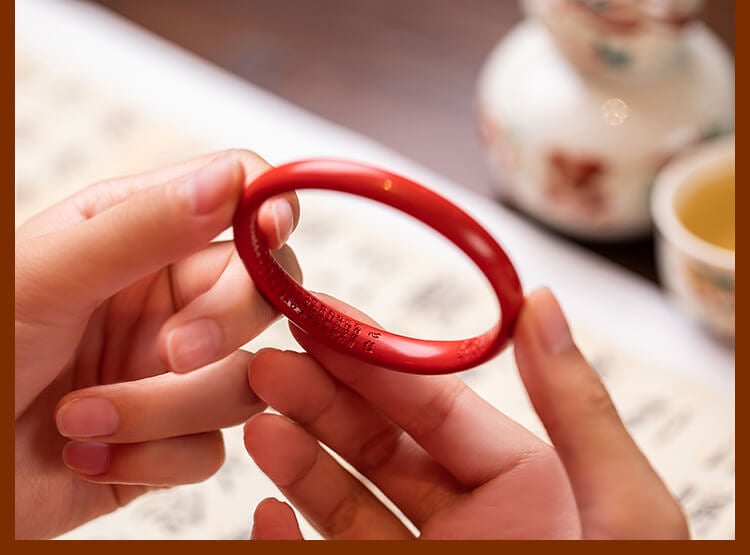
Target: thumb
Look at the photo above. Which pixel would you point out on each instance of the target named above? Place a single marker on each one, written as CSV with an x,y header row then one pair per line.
x,y
619,495
275,520
91,261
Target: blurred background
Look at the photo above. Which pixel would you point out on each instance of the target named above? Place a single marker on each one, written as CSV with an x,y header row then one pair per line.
x,y
401,72
443,83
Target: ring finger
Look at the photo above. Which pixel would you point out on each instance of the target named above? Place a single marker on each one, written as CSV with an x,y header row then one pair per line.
x,y
165,462
162,406
335,502
296,385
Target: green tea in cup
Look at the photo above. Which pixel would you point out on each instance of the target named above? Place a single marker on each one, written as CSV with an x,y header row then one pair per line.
x,y
706,207
693,210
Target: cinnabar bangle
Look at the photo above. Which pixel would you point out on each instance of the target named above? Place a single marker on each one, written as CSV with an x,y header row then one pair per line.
x,y
346,334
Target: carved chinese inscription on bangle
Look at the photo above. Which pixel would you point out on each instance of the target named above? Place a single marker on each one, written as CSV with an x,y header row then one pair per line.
x,y
470,348
310,310
369,345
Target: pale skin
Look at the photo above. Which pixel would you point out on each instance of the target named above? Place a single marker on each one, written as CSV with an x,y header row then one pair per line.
x,y
454,465
106,284
128,323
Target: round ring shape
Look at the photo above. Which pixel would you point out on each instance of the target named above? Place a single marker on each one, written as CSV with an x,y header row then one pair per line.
x,y
348,335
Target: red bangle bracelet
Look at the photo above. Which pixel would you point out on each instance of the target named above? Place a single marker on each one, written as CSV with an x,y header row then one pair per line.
x,y
346,334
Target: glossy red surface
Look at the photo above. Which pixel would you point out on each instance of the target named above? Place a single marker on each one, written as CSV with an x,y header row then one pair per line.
x,y
350,336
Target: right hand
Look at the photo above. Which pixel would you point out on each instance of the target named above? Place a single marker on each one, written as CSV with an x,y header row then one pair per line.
x,y
452,463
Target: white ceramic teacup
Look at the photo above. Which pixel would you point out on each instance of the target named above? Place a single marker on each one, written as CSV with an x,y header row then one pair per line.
x,y
693,211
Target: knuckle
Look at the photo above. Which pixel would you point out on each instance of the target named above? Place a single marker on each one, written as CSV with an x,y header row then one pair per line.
x,y
431,415
434,499
541,459
252,163
341,517
375,452
626,515
213,454
243,154
595,399
236,297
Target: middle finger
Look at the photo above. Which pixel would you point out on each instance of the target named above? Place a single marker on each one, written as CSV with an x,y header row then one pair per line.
x,y
334,501
162,406
296,385
220,319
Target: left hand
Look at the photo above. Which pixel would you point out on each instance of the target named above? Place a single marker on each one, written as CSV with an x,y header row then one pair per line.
x,y
114,287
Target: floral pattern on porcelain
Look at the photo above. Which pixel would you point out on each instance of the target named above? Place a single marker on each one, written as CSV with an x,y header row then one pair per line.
x,y
554,155
503,146
639,37
577,181
710,291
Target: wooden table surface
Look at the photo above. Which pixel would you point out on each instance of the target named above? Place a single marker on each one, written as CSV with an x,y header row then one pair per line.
x,y
400,71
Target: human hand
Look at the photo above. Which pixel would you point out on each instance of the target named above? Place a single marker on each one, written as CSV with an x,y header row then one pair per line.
x,y
453,464
113,287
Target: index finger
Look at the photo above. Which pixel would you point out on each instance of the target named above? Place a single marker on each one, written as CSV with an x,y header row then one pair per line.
x,y
103,195
468,436
618,492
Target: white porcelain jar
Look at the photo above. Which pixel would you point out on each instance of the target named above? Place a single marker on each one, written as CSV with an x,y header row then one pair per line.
x,y
579,114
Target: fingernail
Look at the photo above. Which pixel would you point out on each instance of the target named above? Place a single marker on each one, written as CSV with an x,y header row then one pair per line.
x,y
283,219
88,458
210,186
87,417
193,345
551,325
